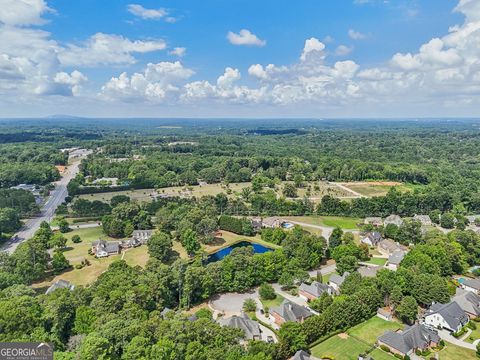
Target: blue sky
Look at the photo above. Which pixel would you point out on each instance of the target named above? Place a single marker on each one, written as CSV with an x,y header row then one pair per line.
x,y
329,58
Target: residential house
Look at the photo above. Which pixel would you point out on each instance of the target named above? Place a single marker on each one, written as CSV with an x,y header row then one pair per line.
x,y
314,290
368,271
472,285
393,219
165,312
335,281
375,221
272,222
251,328
423,219
142,236
301,355
385,313
102,248
60,284
469,302
472,219
388,247
395,259
257,224
446,316
410,339
289,311
372,238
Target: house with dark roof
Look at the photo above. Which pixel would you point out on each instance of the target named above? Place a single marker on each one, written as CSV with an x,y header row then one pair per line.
x,y
314,290
251,328
372,238
301,355
60,284
289,311
446,316
271,222
103,248
468,302
335,281
394,260
472,285
410,339
393,219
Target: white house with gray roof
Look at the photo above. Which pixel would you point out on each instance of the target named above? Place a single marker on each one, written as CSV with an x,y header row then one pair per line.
x,y
375,221
411,338
446,316
103,248
423,219
372,238
394,260
335,281
469,302
243,322
472,285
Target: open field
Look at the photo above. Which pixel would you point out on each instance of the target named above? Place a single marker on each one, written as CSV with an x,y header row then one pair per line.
x,y
374,188
316,191
340,346
345,223
379,354
453,352
377,261
371,329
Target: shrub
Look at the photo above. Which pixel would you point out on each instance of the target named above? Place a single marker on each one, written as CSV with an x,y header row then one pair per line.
x,y
385,348
267,292
472,325
76,239
249,305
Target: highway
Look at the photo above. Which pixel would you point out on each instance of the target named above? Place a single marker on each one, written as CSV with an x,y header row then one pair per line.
x,y
57,197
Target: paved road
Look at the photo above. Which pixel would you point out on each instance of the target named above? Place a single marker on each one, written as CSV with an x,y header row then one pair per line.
x,y
57,196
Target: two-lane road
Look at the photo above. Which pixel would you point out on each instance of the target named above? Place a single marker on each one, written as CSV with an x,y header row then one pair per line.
x,y
57,197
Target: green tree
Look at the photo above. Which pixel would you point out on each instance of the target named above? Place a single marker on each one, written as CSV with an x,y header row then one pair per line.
x,y
447,221
160,246
138,348
59,262
76,239
407,310
249,305
63,225
347,264
58,241
335,238
267,292
190,242
95,347
291,338
290,191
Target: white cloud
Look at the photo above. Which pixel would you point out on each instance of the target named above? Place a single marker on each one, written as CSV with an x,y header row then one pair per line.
x,y
313,48
22,12
178,51
343,50
103,49
245,37
356,35
156,83
257,71
147,14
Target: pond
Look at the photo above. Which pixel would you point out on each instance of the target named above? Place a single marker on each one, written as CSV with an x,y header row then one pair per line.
x,y
220,254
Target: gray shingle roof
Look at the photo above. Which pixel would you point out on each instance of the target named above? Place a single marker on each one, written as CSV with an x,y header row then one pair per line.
x,y
452,313
468,301
374,237
243,322
368,271
393,219
316,288
301,355
396,257
60,284
337,279
411,338
473,283
290,311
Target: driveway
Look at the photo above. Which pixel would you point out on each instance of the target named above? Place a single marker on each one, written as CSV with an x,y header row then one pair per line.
x,y
231,303
445,335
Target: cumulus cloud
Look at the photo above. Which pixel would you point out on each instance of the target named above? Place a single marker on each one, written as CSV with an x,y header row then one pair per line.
x,y
245,37
150,14
313,48
155,83
102,49
356,35
343,50
23,12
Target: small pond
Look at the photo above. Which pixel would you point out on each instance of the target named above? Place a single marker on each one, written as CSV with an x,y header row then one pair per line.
x,y
220,254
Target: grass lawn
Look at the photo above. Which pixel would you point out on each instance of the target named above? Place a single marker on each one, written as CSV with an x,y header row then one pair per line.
x,y
340,348
75,253
377,261
346,223
379,354
272,303
453,352
475,334
371,329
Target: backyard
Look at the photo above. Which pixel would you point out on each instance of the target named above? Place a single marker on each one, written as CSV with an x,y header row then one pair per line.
x,y
345,223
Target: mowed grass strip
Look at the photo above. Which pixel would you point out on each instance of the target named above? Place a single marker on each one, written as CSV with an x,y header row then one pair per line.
x,y
346,223
340,346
